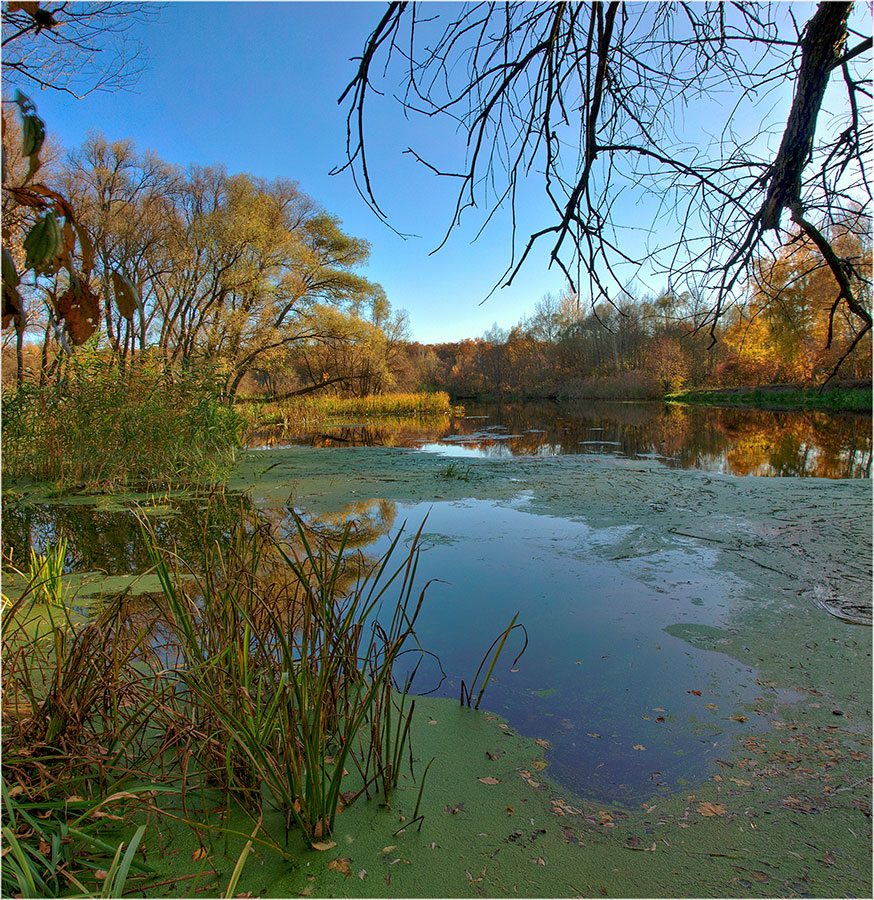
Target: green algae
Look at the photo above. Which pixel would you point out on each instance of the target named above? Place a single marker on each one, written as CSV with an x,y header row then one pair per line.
x,y
787,810
494,825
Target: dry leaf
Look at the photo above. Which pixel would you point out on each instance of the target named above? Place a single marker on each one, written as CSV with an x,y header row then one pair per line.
x,y
710,706
340,865
542,742
593,734
362,874
738,718
489,780
741,783
711,809
639,747
540,861
526,775
388,849
324,845
101,874
540,764
696,693
199,853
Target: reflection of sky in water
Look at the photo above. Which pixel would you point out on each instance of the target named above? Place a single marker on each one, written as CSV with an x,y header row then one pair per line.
x,y
598,660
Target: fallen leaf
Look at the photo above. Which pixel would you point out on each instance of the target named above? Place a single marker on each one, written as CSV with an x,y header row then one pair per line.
x,y
696,693
494,756
489,780
639,747
593,734
324,845
540,764
738,718
389,849
710,706
101,874
432,721
741,783
340,865
526,775
711,809
542,742
657,709
509,810
540,861
199,853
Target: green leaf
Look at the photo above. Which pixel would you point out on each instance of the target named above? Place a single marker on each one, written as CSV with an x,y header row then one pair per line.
x,y
44,241
10,273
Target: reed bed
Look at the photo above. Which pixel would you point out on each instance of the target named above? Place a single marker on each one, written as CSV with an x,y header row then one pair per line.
x,y
315,410
265,681
105,427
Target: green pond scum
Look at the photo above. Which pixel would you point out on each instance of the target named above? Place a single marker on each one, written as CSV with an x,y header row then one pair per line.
x,y
781,805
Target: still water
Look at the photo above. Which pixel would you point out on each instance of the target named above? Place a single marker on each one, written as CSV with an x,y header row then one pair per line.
x,y
732,441
628,671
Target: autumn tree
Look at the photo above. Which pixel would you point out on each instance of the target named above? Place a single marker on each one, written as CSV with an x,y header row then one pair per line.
x,y
603,100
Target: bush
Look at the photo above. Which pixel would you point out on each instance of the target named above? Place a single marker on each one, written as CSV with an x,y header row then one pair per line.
x,y
101,426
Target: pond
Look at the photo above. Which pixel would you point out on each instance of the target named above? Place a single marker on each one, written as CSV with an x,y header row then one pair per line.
x,y
639,670
712,439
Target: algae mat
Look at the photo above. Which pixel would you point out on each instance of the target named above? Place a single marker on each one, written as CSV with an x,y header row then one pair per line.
x,y
781,809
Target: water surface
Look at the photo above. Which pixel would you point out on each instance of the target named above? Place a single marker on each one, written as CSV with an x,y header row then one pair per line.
x,y
731,441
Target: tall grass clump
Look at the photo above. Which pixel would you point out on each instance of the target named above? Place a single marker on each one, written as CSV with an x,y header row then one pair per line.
x,y
286,652
78,702
103,426
318,409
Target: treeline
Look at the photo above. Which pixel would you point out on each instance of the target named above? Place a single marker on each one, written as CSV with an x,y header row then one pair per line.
x,y
788,330
194,266
252,280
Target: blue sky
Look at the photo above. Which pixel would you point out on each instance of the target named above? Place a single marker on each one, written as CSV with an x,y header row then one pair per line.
x,y
254,86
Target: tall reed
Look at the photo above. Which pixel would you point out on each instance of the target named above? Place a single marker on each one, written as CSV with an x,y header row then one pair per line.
x,y
288,671
310,411
105,427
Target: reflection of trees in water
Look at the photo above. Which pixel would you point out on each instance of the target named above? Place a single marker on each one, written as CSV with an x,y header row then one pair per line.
x,y
808,443
111,540
401,432
739,441
742,441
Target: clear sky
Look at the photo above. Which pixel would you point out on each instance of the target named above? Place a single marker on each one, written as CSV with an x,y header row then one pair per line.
x,y
254,86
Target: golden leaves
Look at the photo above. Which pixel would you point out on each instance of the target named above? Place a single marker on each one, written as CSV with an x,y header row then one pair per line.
x,y
711,809
341,865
